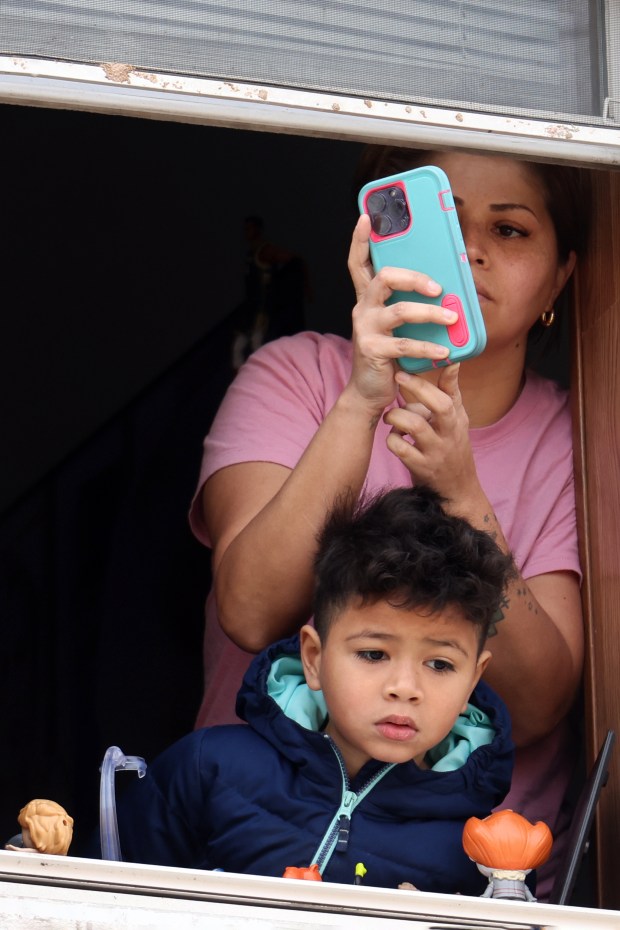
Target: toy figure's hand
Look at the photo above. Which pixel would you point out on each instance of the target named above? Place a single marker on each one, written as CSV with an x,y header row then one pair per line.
x,y
22,849
375,348
430,434
407,886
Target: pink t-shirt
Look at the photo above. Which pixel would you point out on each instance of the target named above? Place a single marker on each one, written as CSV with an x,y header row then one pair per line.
x,y
524,463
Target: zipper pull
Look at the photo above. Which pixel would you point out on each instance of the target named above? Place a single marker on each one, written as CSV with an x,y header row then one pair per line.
x,y
344,821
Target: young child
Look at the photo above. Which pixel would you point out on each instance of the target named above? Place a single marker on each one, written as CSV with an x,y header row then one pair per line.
x,y
370,737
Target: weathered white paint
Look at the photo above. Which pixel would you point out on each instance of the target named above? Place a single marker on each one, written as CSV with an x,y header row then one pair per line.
x,y
114,87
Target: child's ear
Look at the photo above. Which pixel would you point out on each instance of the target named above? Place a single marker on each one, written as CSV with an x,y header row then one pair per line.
x,y
310,647
483,660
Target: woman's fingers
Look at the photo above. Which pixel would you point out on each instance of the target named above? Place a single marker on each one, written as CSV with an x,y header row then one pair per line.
x,y
420,410
442,400
382,285
387,280
448,382
411,427
432,413
377,345
376,315
430,434
374,321
359,264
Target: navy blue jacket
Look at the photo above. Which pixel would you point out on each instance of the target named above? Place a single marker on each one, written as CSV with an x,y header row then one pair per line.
x,y
255,799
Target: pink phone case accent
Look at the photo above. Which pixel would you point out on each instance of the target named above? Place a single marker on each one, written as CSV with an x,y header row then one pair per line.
x,y
458,333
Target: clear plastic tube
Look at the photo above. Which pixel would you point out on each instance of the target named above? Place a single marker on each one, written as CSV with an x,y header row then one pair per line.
x,y
113,761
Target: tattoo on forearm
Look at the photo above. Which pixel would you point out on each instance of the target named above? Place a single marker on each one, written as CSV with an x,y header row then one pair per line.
x,y
530,603
488,520
523,592
498,616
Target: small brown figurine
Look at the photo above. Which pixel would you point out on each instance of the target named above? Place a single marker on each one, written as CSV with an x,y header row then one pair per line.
x,y
46,828
505,847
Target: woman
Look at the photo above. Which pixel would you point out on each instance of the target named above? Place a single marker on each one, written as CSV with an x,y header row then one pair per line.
x,y
312,416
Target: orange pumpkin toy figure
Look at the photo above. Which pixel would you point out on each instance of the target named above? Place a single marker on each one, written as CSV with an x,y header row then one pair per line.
x,y
309,873
505,847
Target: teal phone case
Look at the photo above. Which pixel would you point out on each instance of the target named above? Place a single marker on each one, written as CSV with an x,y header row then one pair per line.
x,y
432,243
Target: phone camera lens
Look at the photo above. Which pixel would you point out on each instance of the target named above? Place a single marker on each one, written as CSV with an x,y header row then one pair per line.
x,y
388,210
376,202
381,224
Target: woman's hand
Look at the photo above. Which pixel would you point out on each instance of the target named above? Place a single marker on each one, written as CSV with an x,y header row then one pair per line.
x,y
430,434
375,348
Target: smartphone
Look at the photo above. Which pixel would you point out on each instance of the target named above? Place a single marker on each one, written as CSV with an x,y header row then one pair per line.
x,y
415,225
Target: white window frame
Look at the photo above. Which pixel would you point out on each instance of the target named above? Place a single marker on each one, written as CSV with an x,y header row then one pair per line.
x,y
116,88
47,892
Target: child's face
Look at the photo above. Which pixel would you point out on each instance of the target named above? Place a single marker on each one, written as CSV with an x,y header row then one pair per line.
x,y
394,680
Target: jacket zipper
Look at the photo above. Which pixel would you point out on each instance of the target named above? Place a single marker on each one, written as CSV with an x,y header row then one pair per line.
x,y
336,837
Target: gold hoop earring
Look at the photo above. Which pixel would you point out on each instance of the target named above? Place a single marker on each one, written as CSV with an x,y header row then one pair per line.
x,y
547,318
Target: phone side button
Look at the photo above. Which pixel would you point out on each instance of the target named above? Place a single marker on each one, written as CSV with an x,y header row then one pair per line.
x,y
458,333
446,201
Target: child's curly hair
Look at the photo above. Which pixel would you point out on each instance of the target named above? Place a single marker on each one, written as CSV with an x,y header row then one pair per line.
x,y
403,547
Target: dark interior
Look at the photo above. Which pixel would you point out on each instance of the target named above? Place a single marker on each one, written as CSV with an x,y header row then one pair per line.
x,y
123,265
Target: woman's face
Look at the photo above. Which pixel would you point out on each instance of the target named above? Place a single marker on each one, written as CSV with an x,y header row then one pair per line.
x,y
510,242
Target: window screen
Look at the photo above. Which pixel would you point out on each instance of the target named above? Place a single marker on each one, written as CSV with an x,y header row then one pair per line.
x,y
544,58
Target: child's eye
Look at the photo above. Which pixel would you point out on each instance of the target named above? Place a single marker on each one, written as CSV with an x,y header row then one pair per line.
x,y
441,665
371,655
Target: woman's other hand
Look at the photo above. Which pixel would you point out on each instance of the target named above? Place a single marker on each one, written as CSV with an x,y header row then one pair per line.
x,y
430,434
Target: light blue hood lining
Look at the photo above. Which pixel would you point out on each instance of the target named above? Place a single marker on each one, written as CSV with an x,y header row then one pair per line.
x,y
287,686
470,731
